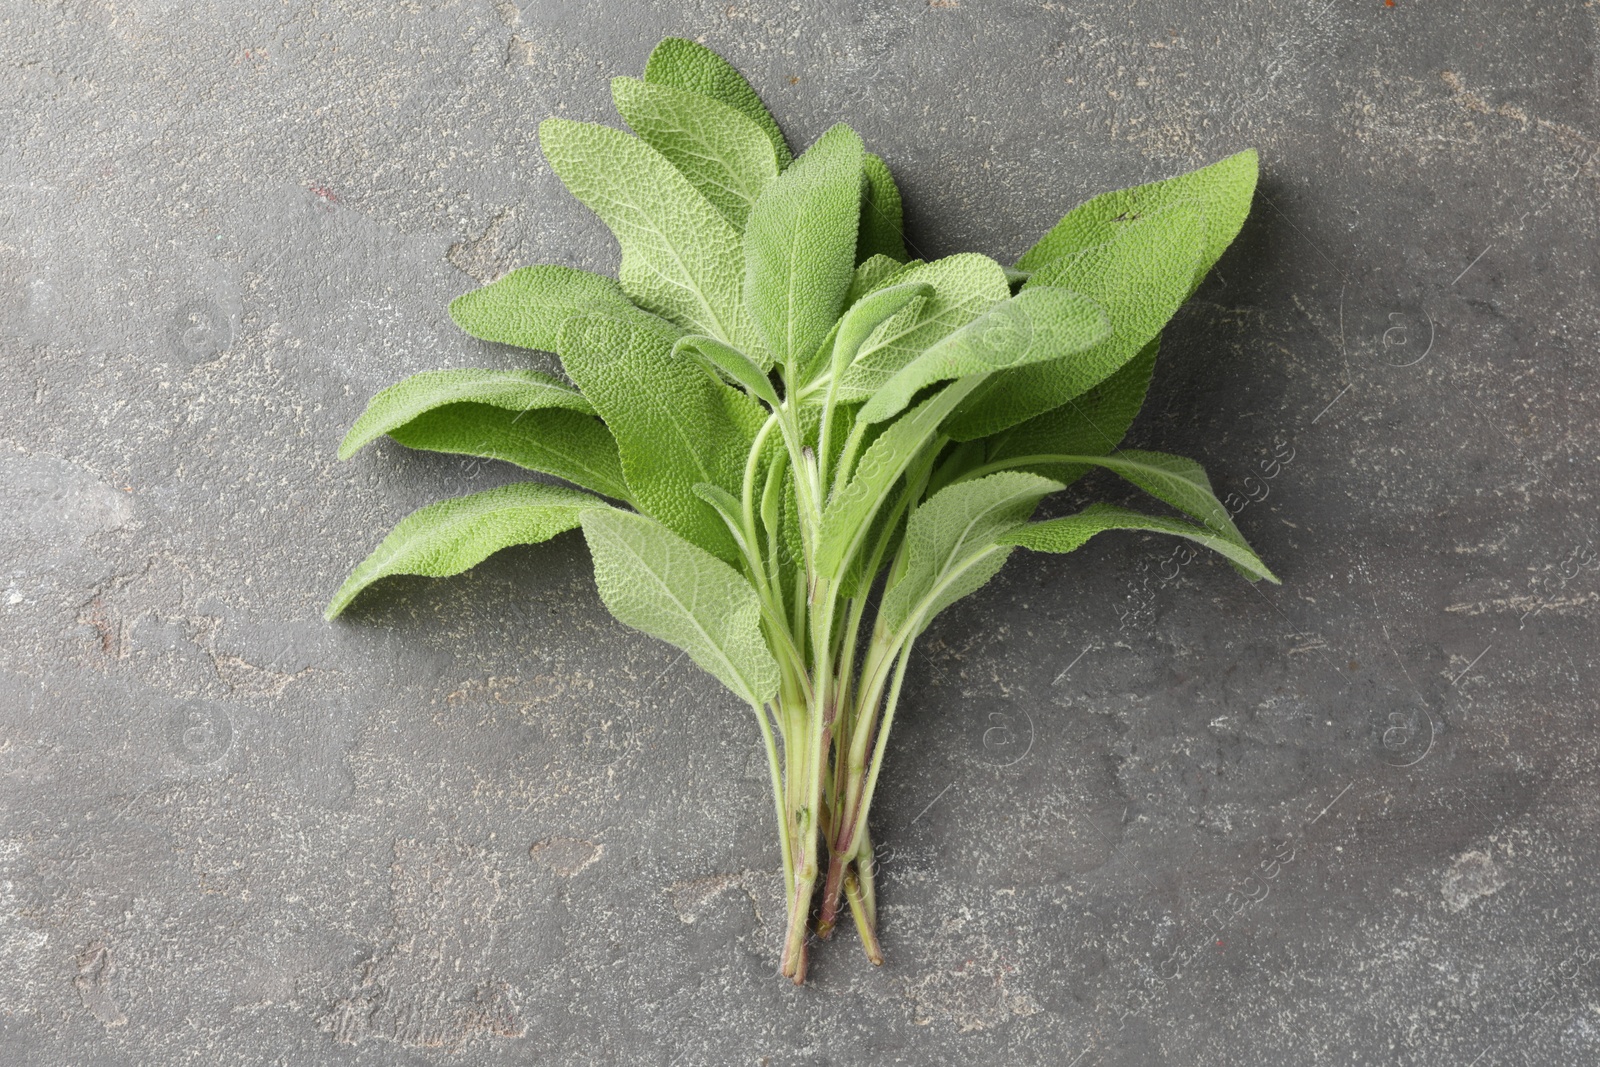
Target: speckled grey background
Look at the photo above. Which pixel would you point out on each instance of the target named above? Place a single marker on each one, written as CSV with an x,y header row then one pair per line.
x,y
1137,811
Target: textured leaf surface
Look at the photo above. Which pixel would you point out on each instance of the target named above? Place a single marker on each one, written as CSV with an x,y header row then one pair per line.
x,y
453,535
1140,277
869,275
852,507
1044,323
675,425
723,152
718,357
1093,424
882,215
965,285
655,581
866,315
1069,533
950,543
680,258
1223,192
800,246
687,65
1173,480
514,390
567,444
528,307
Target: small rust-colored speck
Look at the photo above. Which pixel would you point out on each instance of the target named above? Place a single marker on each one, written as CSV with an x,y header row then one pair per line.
x,y
1219,944
1388,3
794,81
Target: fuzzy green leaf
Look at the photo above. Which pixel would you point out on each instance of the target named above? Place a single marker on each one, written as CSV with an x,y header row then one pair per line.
x,y
1093,424
1068,533
655,581
684,64
567,444
965,285
716,356
1171,479
724,154
950,544
871,273
1223,192
453,535
680,258
528,306
851,508
514,390
866,315
1140,277
675,424
882,216
799,248
1043,323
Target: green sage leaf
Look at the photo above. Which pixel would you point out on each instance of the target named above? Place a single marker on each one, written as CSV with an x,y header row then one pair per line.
x,y
799,248
675,424
965,285
680,258
655,581
1223,192
1140,277
450,536
1044,323
850,509
1093,424
687,65
724,153
567,444
882,216
527,307
1069,533
950,544
716,356
514,390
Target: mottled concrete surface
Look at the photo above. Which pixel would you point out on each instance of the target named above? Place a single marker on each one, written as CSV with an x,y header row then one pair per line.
x,y
478,821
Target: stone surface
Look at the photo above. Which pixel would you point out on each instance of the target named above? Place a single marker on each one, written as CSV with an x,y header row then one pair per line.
x,y
1137,812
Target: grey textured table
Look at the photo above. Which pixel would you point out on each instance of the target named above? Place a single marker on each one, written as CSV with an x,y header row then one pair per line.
x,y
478,821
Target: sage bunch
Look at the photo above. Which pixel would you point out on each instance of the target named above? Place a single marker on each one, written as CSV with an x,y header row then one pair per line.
x,y
789,444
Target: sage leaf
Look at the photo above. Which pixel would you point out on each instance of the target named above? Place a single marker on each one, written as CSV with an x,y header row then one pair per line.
x,y
680,257
851,508
1044,323
965,285
1140,277
800,245
1093,424
950,544
724,154
450,536
870,274
882,215
1069,533
716,356
566,444
684,64
655,581
527,307
1223,192
514,390
675,424
866,315
1173,480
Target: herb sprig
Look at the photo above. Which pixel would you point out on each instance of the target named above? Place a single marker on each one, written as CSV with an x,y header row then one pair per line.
x,y
775,418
